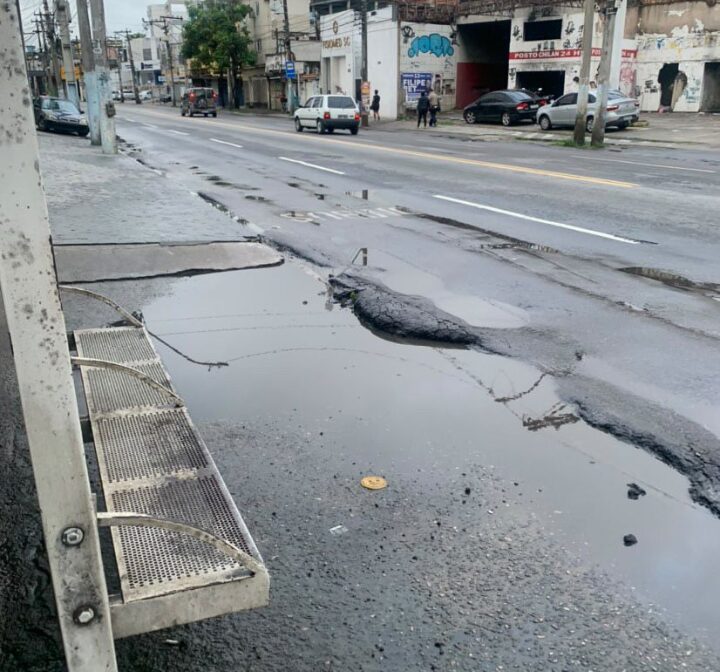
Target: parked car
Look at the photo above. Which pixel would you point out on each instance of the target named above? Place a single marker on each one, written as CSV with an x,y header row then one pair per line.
x,y
199,100
146,95
326,113
58,114
165,98
539,96
508,107
116,95
621,111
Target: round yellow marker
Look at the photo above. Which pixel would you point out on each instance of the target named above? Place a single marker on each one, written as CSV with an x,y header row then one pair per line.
x,y
373,482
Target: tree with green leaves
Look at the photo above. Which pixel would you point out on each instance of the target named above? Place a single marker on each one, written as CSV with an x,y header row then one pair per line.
x,y
215,37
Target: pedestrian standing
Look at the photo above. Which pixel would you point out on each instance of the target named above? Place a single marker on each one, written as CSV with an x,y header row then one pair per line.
x,y
422,109
375,106
434,103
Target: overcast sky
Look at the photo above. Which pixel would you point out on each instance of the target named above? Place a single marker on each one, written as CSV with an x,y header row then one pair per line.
x,y
119,14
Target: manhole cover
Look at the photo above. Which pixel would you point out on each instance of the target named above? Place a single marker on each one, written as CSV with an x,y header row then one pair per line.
x,y
373,482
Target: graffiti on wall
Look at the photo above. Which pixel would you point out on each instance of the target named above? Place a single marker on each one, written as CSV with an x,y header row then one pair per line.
x,y
435,44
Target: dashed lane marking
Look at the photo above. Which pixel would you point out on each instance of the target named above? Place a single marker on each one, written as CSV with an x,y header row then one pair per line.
x,y
170,130
312,165
225,142
519,215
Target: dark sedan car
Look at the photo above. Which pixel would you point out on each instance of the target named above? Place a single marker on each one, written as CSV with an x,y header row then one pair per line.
x,y
508,107
58,114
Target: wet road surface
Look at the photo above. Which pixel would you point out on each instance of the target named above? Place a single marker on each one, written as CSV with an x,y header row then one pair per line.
x,y
499,541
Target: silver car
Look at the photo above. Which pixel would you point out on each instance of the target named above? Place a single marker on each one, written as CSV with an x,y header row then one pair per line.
x,y
621,111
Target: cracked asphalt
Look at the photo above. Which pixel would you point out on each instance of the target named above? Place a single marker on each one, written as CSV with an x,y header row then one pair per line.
x,y
502,373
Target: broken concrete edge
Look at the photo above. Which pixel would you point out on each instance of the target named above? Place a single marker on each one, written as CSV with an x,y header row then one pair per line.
x,y
703,488
185,273
402,316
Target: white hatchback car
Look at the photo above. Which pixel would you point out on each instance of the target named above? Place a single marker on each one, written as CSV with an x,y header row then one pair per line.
x,y
328,112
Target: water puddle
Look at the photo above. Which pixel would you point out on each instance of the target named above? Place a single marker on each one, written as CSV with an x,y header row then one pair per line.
x,y
297,361
406,278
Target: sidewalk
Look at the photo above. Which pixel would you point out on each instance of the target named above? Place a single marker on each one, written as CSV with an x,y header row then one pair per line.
x,y
673,130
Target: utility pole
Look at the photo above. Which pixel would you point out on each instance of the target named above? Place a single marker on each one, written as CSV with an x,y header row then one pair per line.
x,y
22,40
119,67
62,11
288,57
363,63
164,22
43,83
49,25
598,130
43,370
136,94
582,99
92,95
108,137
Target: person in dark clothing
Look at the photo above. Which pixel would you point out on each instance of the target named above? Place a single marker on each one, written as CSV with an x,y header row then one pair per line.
x,y
423,106
375,106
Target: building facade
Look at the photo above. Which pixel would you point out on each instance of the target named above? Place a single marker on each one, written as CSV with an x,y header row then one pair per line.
x,y
404,58
666,54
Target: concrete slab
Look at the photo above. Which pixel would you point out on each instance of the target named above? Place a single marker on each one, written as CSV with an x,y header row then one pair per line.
x,y
92,263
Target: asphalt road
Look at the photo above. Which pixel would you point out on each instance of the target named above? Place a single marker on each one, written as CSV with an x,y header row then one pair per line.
x,y
452,221
499,541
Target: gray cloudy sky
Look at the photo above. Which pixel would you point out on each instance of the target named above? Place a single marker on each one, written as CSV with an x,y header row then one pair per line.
x,y
119,14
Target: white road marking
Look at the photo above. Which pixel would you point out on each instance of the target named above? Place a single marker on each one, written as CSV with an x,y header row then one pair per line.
x,y
312,165
170,130
642,163
149,126
225,142
129,119
519,215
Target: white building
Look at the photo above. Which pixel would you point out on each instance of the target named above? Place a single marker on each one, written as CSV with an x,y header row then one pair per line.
x,y
404,58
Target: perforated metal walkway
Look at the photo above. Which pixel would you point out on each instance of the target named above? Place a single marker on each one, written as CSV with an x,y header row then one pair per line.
x,y
152,461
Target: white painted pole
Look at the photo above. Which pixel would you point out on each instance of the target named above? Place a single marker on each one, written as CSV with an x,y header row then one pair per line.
x,y
614,81
89,78
42,363
108,137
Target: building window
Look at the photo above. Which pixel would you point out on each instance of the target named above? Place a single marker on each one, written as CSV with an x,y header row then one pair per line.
x,y
542,30
147,55
258,46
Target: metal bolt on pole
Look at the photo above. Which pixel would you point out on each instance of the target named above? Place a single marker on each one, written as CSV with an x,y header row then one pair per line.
x,y
42,364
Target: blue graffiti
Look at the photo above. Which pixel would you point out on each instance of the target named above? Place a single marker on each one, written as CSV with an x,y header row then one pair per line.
x,y
438,45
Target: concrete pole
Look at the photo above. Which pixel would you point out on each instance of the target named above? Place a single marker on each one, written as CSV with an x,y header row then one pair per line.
x,y
62,11
108,137
136,93
42,363
52,47
598,131
614,82
363,61
582,101
288,57
89,75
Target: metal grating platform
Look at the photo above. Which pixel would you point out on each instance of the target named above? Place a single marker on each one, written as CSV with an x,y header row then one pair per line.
x,y
153,461
153,444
